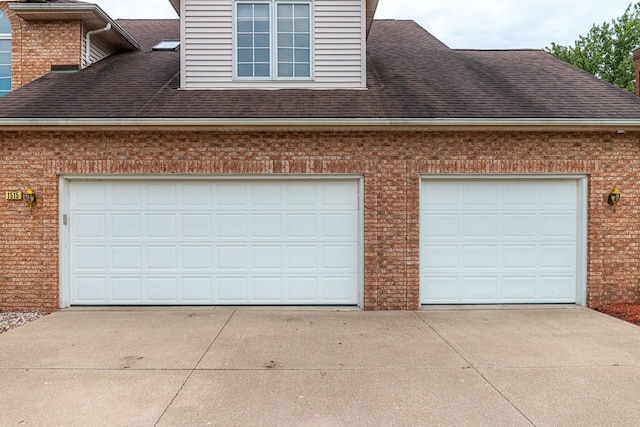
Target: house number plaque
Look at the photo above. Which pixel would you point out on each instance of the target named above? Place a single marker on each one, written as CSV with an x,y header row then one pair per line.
x,y
13,195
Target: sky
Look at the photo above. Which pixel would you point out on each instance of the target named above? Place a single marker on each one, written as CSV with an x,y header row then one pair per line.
x,y
460,24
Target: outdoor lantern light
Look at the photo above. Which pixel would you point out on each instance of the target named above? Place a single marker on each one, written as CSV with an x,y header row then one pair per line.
x,y
614,197
30,197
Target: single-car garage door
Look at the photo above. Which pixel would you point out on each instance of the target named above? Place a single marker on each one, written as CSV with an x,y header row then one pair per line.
x,y
489,241
213,242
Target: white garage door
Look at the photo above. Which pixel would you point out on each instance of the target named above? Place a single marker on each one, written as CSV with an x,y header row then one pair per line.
x,y
213,242
498,241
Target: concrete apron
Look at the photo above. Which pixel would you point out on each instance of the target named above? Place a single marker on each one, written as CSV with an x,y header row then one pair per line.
x,y
531,365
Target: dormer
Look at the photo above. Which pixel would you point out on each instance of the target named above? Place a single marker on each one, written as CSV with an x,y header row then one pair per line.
x,y
58,35
274,44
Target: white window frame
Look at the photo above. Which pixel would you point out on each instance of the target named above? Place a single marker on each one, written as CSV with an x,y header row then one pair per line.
x,y
273,39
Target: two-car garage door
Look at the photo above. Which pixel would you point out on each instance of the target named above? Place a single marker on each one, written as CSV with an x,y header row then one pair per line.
x,y
213,242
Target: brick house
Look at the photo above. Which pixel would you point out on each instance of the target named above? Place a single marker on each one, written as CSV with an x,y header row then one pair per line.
x,y
301,153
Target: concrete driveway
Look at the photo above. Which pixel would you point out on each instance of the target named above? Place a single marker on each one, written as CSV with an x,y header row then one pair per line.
x,y
534,365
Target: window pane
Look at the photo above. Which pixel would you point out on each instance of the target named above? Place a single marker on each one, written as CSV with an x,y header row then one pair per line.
x,y
285,70
301,11
301,25
245,11
261,11
302,55
245,40
5,84
301,40
5,71
262,70
262,55
285,10
261,26
261,40
285,55
245,70
302,70
245,26
285,40
245,55
5,26
285,26
5,45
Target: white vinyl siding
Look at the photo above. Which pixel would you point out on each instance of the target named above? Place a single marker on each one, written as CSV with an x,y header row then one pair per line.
x,y
208,47
100,49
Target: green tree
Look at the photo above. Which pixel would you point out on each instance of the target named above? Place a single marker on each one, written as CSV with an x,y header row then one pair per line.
x,y
606,51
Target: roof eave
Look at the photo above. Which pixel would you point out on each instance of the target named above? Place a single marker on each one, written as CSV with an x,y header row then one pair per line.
x,y
619,126
88,13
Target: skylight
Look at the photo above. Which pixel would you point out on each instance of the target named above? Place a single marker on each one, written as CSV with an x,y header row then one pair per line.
x,y
172,45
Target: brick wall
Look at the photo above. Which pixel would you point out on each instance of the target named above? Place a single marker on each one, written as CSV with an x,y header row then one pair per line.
x,y
390,162
36,45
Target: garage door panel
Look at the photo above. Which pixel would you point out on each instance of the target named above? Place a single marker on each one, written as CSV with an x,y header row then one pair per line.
x,y
557,288
442,289
126,290
161,226
125,196
267,226
442,226
232,258
519,195
126,258
91,290
266,258
232,195
302,258
86,257
520,257
196,226
559,226
558,257
215,242
479,194
479,289
232,290
231,226
440,256
502,241
197,258
480,226
479,257
89,226
162,290
302,290
196,290
518,225
519,288
161,258
161,195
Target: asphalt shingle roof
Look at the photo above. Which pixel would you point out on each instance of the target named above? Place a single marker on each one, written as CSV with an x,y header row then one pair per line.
x,y
410,74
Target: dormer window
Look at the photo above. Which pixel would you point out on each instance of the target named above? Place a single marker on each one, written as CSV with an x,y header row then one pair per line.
x,y
273,39
5,55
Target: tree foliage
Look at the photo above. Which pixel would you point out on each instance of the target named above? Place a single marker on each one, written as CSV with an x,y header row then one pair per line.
x,y
606,51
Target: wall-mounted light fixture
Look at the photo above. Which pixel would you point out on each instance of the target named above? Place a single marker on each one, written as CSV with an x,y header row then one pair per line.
x,y
30,197
614,197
